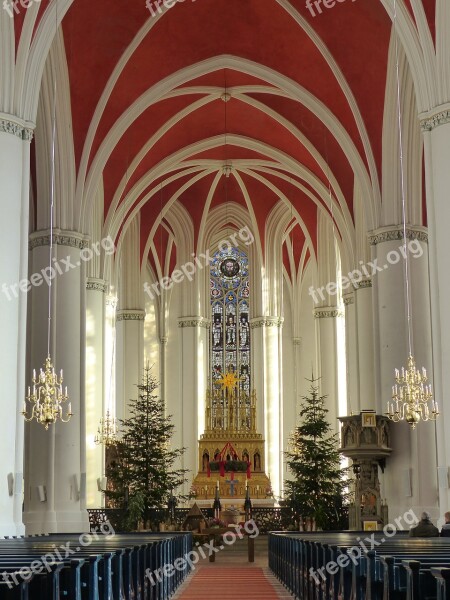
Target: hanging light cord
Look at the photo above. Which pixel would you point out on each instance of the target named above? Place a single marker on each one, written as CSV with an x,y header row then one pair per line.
x,y
402,179
226,153
52,203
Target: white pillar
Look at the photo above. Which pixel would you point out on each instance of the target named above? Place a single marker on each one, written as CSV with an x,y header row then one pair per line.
x,y
353,406
56,458
297,357
410,479
193,384
365,344
274,402
328,353
268,383
258,369
95,399
130,356
14,200
437,156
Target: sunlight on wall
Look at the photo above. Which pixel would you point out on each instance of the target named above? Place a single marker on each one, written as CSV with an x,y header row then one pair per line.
x,y
151,340
202,374
94,453
341,349
110,356
273,417
340,342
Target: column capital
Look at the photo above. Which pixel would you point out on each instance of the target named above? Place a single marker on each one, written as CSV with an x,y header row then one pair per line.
x,y
194,322
258,322
363,284
394,233
73,239
349,299
17,127
328,312
130,315
440,115
96,285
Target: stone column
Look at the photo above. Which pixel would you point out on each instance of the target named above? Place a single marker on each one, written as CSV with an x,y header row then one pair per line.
x,y
194,345
329,357
410,479
15,137
56,458
436,129
95,398
129,361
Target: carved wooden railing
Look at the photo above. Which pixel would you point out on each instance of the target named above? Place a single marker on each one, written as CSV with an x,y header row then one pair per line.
x,y
97,516
266,518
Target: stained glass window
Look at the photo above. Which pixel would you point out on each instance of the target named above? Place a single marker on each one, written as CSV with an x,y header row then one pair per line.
x,y
230,331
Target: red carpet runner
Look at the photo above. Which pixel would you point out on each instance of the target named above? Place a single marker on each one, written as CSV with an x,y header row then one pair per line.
x,y
225,583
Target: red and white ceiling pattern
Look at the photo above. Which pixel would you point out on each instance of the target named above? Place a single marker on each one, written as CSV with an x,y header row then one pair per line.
x,y
303,120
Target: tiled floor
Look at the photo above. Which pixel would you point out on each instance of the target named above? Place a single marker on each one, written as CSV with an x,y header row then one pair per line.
x,y
231,576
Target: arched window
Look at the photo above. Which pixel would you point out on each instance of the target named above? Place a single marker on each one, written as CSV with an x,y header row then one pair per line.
x,y
230,310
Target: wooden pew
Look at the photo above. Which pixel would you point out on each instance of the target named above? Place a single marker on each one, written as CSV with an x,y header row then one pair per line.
x,y
442,576
110,568
400,568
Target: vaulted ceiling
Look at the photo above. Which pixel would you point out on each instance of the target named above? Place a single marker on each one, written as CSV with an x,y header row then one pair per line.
x,y
290,97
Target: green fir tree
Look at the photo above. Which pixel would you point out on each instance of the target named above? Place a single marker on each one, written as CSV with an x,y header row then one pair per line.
x,y
142,476
317,490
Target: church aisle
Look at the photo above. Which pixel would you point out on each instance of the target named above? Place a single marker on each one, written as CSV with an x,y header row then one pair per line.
x,y
226,583
232,577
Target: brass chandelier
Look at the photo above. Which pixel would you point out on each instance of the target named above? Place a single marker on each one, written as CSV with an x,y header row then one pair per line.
x,y
411,400
47,397
411,397
107,431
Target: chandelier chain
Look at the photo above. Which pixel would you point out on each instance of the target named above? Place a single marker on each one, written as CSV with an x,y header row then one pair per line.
x,y
402,181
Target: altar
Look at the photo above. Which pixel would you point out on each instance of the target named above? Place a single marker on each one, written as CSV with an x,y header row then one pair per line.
x,y
231,451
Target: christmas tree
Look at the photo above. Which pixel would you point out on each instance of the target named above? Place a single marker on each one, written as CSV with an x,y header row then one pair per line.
x,y
143,475
317,491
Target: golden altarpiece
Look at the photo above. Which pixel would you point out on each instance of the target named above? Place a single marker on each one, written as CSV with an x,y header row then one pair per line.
x,y
231,451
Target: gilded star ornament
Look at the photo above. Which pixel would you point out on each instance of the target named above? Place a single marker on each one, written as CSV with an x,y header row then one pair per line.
x,y
229,381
